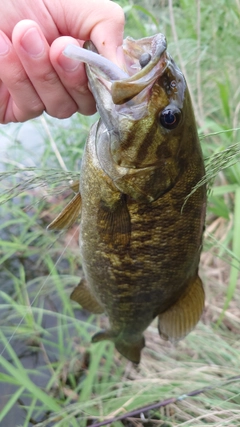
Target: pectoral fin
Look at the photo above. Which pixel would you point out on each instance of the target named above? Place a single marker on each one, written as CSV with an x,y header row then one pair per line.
x,y
175,323
85,298
69,214
114,224
128,349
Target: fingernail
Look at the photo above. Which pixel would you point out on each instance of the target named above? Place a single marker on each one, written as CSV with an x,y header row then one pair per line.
x,y
68,64
4,45
32,42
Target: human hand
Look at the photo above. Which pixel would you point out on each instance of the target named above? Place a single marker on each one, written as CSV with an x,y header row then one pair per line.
x,y
34,74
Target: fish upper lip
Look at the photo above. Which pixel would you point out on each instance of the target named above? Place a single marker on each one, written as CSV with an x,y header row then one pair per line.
x,y
126,89
122,85
158,49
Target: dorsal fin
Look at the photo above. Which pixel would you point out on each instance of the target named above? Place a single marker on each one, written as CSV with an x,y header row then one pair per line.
x,y
68,216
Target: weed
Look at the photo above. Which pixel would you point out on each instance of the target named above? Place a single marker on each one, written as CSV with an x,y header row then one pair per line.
x,y
50,374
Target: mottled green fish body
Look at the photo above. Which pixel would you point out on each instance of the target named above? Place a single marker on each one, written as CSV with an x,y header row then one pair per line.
x,y
140,244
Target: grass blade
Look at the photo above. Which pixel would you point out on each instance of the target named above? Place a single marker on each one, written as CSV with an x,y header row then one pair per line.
x,y
13,399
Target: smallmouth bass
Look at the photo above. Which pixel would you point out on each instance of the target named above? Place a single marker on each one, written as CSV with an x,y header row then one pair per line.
x,y
140,244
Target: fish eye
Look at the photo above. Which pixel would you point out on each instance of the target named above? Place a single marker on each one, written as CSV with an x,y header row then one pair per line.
x,y
169,118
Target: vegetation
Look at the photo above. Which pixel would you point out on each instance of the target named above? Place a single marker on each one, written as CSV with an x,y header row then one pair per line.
x,y
50,374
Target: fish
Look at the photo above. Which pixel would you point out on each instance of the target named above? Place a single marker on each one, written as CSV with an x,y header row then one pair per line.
x,y
140,238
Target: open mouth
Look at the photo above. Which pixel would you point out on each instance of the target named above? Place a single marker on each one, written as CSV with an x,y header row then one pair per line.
x,y
146,60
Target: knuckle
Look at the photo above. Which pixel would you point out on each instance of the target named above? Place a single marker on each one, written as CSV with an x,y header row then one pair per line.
x,y
81,90
18,78
28,111
49,78
35,108
62,111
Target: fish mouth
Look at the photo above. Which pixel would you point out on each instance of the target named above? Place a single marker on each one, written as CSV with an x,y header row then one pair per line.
x,y
149,58
145,61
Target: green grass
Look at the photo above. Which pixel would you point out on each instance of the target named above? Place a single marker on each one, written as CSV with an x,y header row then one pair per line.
x,y
51,373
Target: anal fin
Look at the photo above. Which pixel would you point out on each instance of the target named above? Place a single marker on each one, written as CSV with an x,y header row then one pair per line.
x,y
68,216
103,335
83,296
175,323
130,350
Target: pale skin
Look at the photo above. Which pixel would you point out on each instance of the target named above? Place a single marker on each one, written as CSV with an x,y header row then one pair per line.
x,y
34,74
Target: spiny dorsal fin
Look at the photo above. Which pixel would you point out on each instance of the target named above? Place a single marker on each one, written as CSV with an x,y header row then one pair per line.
x,y
175,323
83,296
68,216
75,186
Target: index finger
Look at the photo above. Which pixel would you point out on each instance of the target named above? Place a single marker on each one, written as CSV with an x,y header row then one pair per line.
x,y
101,21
